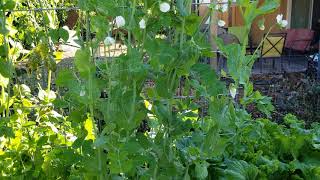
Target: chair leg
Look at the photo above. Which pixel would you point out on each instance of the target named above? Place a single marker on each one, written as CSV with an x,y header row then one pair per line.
x,y
273,64
261,63
265,62
289,62
281,65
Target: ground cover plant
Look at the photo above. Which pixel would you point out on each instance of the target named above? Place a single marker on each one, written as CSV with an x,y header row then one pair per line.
x,y
145,132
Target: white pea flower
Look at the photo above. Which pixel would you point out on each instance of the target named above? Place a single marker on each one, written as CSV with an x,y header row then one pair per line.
x,y
279,18
261,24
164,7
280,21
19,111
55,114
53,127
52,95
262,27
120,21
160,36
71,137
224,7
233,91
284,23
142,24
82,93
42,95
108,41
217,7
221,23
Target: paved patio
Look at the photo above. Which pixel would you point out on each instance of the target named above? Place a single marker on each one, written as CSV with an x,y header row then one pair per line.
x,y
276,65
288,64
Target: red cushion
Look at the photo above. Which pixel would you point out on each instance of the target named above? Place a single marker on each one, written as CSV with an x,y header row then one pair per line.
x,y
299,39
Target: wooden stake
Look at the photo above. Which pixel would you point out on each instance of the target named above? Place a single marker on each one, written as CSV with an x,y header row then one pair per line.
x,y
213,33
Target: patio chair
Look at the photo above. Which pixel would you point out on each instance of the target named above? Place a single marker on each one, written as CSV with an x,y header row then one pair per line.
x,y
228,38
272,48
298,45
299,41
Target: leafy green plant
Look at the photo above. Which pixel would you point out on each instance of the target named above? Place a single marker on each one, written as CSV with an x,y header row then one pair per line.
x,y
74,133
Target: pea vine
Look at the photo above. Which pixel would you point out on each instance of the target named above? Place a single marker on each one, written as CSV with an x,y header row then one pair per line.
x,y
164,115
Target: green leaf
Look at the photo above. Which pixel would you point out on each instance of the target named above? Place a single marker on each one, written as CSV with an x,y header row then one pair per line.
x,y
6,69
5,131
209,79
56,34
239,65
83,63
268,7
161,52
98,27
4,81
119,161
201,170
162,87
100,141
66,78
9,5
241,170
182,6
192,24
87,5
63,34
78,142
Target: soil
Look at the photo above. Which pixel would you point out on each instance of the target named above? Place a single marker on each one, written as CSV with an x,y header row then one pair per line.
x,y
294,93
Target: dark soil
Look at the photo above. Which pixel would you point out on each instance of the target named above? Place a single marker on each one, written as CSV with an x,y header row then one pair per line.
x,y
294,93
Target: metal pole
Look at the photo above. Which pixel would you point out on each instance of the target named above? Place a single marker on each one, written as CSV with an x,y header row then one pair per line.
x,y
318,61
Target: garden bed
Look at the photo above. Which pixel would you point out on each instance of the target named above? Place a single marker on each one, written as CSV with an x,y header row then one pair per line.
x,y
292,93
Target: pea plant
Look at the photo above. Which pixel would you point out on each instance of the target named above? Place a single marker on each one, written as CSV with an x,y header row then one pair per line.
x,y
151,122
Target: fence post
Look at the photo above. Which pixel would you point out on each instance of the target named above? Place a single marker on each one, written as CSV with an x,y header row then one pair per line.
x,y
213,33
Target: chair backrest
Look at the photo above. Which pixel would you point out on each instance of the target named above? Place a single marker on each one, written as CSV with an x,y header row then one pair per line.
x,y
239,32
299,39
229,38
221,30
273,45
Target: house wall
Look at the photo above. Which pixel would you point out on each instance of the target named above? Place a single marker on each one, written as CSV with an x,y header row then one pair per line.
x,y
270,20
234,18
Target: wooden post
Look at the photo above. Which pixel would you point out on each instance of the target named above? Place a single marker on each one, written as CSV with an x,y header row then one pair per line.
x,y
213,27
213,33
